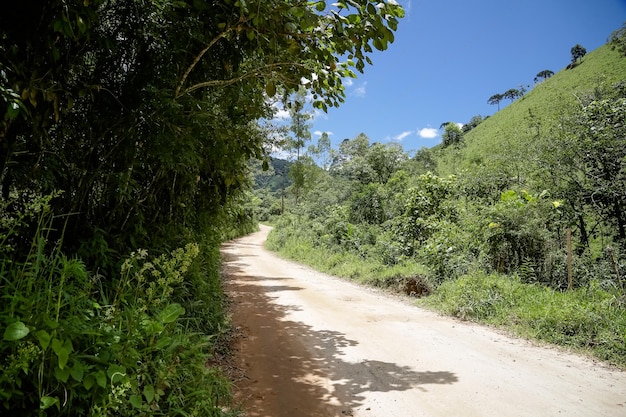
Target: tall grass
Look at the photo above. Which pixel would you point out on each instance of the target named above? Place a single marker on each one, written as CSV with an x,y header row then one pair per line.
x,y
589,319
78,343
298,244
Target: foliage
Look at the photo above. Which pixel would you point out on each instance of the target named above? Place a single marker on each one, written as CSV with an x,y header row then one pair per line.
x,y
73,346
518,233
496,99
452,136
617,40
542,75
424,206
496,228
590,318
578,51
140,117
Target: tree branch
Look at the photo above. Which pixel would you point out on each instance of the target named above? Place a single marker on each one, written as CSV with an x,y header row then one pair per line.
x,y
223,83
198,58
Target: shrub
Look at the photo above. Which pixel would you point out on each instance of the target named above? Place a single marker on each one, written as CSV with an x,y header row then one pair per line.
x,y
73,344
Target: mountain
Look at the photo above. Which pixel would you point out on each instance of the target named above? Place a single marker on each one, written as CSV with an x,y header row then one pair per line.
x,y
510,135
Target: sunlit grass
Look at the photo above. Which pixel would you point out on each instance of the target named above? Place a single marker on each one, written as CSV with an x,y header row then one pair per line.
x,y
588,319
343,264
515,125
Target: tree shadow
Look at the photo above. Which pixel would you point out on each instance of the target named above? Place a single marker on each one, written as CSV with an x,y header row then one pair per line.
x,y
293,369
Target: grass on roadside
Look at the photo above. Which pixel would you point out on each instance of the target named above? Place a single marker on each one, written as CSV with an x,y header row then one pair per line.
x,y
590,319
342,264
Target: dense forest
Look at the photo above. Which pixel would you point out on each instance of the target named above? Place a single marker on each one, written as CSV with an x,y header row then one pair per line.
x,y
518,219
125,133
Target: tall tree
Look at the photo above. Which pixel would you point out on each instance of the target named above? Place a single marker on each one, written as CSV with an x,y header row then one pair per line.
x,y
495,99
323,151
577,51
452,136
618,39
542,75
512,94
301,134
145,112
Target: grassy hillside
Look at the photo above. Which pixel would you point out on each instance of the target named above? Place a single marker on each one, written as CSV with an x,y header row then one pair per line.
x,y
507,137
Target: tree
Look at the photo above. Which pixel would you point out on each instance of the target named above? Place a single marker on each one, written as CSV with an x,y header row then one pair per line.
x,y
542,75
385,159
349,149
495,99
603,123
145,112
474,121
618,39
424,162
323,151
453,135
577,52
512,94
295,144
585,164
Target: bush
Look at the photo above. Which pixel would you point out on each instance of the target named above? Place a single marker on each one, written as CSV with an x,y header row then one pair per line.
x,y
75,343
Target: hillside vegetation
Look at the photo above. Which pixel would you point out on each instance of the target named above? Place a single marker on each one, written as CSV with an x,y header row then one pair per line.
x,y
518,126
518,222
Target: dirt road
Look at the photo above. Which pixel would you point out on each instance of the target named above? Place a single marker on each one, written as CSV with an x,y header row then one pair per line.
x,y
313,346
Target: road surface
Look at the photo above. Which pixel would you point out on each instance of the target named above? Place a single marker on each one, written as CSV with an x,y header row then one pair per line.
x,y
312,345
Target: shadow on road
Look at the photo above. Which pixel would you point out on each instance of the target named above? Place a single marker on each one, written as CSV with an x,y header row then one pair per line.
x,y
288,364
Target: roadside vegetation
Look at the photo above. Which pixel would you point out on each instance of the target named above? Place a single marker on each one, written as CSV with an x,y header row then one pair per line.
x,y
518,221
125,132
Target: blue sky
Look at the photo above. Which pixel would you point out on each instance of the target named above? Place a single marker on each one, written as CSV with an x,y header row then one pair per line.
x,y
450,56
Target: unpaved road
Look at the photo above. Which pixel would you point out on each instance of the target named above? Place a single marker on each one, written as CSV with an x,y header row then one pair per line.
x,y
314,346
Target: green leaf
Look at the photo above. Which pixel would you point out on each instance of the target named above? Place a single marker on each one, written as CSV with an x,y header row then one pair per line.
x,y
82,26
77,371
148,392
62,374
89,381
135,401
163,342
270,89
44,338
62,350
320,6
101,379
16,331
116,373
47,402
13,110
170,313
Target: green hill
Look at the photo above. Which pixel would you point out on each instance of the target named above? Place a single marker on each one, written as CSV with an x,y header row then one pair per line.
x,y
509,136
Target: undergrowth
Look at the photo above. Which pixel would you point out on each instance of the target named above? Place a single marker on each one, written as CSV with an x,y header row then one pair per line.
x,y
590,318
78,343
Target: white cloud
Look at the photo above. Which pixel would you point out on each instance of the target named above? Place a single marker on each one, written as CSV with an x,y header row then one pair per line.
x,y
360,91
320,133
428,133
402,135
347,82
282,114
